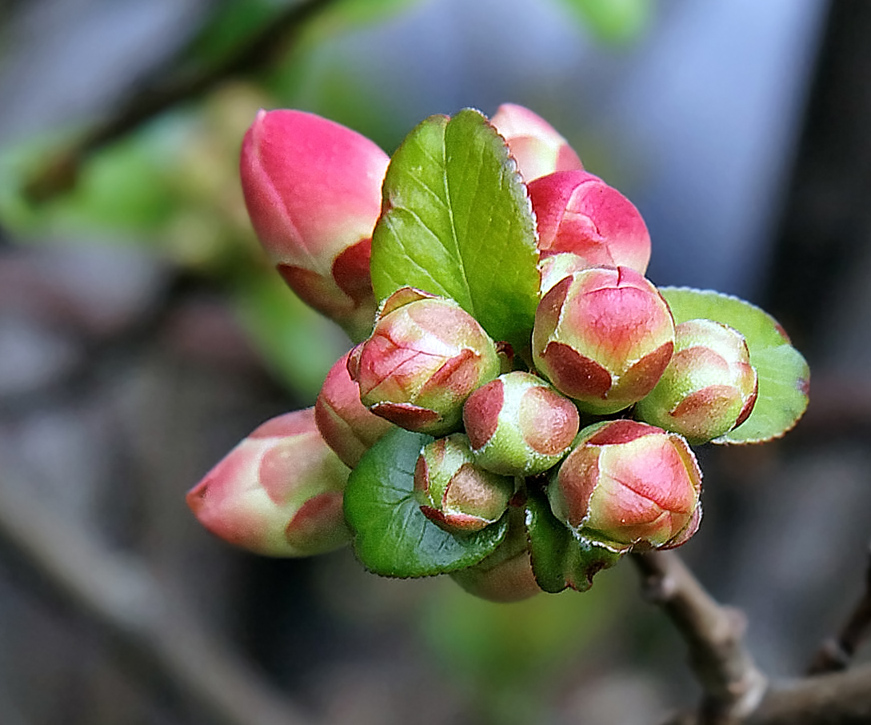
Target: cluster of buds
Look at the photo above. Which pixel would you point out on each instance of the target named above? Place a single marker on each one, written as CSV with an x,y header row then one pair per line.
x,y
604,349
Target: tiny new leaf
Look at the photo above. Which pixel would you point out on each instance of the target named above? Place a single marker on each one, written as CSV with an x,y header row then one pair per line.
x,y
783,374
559,559
457,222
391,535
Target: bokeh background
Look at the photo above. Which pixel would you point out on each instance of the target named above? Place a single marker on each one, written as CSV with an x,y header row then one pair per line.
x,y
142,335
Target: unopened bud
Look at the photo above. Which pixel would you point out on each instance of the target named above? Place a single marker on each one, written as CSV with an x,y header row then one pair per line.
x,y
313,192
603,337
579,213
278,492
708,388
518,425
454,492
345,423
536,146
628,486
425,357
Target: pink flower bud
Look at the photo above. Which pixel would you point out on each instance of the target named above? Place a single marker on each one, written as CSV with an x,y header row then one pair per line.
x,y
708,388
455,493
603,337
278,492
313,192
345,423
425,357
533,142
518,425
628,485
578,212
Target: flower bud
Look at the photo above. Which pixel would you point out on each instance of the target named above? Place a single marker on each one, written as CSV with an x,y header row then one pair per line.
x,y
556,267
578,212
535,145
425,357
345,423
506,575
518,425
603,337
627,485
708,388
278,492
313,191
455,493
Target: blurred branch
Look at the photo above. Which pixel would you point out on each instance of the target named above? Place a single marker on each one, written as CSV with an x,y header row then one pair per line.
x,y
837,652
157,95
156,634
733,686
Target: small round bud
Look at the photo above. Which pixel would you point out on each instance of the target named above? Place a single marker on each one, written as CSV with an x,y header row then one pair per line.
x,y
345,423
455,493
628,486
278,492
518,425
425,357
708,388
578,212
603,337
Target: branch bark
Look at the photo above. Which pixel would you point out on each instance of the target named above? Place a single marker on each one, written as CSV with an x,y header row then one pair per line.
x,y
837,652
157,635
732,684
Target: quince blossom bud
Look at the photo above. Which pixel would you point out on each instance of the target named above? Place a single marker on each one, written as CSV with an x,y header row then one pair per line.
x,y
518,425
708,388
556,267
603,337
629,486
455,493
345,423
278,492
506,575
425,357
578,212
535,145
313,191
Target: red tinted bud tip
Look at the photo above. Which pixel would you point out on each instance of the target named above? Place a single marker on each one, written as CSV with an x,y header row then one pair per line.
x,y
629,486
313,191
518,425
603,337
277,493
425,357
708,388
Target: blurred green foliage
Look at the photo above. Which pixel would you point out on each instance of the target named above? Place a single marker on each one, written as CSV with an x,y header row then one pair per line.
x,y
618,22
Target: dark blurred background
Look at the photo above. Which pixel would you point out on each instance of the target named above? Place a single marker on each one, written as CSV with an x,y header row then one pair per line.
x,y
142,335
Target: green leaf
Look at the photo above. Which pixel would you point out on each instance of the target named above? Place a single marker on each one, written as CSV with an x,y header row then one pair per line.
x,y
783,374
457,223
559,559
392,536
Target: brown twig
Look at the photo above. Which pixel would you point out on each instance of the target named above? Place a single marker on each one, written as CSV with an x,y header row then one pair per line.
x,y
158,635
732,684
158,95
837,652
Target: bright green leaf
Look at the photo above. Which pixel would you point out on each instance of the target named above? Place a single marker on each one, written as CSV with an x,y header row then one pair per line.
x,y
559,559
782,371
458,223
392,537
